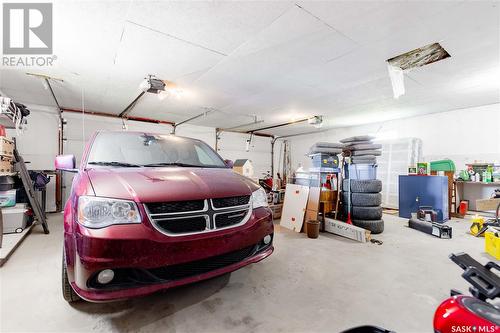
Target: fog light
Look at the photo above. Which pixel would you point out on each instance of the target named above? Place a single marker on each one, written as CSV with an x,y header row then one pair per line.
x,y
106,276
267,239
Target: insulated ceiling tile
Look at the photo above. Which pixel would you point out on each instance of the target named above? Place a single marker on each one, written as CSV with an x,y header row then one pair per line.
x,y
289,28
143,51
366,22
216,25
287,94
87,35
294,41
349,70
283,60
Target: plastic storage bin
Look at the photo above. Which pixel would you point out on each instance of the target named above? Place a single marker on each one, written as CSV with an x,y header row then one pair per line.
x,y
362,171
8,198
15,218
492,243
321,160
6,183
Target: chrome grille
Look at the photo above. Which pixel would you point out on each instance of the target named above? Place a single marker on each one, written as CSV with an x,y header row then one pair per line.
x,y
181,218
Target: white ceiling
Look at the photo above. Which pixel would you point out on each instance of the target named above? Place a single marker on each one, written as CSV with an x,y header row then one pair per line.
x,y
278,60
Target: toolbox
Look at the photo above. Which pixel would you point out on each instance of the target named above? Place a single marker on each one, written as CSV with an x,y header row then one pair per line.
x,y
321,160
439,230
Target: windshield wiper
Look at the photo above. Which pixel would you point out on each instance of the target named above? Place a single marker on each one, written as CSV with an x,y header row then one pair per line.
x,y
187,165
113,163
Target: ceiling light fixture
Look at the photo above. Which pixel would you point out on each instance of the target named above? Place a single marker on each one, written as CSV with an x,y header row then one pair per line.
x,y
171,90
152,85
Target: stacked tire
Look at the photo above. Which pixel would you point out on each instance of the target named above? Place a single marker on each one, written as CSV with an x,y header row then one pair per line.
x,y
365,199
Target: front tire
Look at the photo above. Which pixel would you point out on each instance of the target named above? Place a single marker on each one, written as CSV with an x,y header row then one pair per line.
x,y
68,293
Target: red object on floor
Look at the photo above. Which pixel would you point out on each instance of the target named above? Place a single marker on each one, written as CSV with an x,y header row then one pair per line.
x,y
463,207
2,130
464,314
349,221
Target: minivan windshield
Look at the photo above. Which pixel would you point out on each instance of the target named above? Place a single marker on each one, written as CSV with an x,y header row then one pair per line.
x,y
129,149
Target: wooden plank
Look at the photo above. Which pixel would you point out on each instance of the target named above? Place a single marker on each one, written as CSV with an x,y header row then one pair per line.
x,y
487,204
294,207
313,199
347,230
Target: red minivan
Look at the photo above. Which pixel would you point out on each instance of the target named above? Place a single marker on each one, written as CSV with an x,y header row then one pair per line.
x,y
149,212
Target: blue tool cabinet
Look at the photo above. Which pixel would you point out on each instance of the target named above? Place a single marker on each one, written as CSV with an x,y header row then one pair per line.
x,y
416,191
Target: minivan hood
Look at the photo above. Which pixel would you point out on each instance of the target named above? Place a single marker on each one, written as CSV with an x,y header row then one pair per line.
x,y
168,183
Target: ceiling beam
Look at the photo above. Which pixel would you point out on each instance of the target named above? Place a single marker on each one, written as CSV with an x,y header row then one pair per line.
x,y
278,125
192,118
265,135
255,122
110,115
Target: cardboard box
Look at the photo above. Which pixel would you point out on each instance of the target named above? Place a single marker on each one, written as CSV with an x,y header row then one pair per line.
x,y
347,230
313,199
6,166
487,204
6,146
276,209
423,168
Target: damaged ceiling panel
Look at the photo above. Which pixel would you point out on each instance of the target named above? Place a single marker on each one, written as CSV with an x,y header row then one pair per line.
x,y
419,57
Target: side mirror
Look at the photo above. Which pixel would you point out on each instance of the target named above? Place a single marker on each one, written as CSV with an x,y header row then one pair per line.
x,y
66,163
229,163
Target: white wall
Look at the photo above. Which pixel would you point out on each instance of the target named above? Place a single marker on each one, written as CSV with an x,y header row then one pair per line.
x,y
38,144
233,146
461,135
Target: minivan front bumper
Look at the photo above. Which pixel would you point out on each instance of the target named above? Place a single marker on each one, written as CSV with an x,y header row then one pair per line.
x,y
145,261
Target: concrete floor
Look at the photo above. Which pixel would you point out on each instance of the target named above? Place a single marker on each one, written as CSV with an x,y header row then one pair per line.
x,y
323,285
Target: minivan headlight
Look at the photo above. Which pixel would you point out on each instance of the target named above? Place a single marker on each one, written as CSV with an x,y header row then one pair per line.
x,y
95,212
259,198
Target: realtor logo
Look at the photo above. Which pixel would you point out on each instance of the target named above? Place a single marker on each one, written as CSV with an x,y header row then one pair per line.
x,y
27,28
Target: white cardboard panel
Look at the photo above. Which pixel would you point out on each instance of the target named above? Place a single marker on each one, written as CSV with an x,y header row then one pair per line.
x,y
294,207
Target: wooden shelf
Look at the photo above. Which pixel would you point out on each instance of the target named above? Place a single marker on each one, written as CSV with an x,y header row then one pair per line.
x,y
477,183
